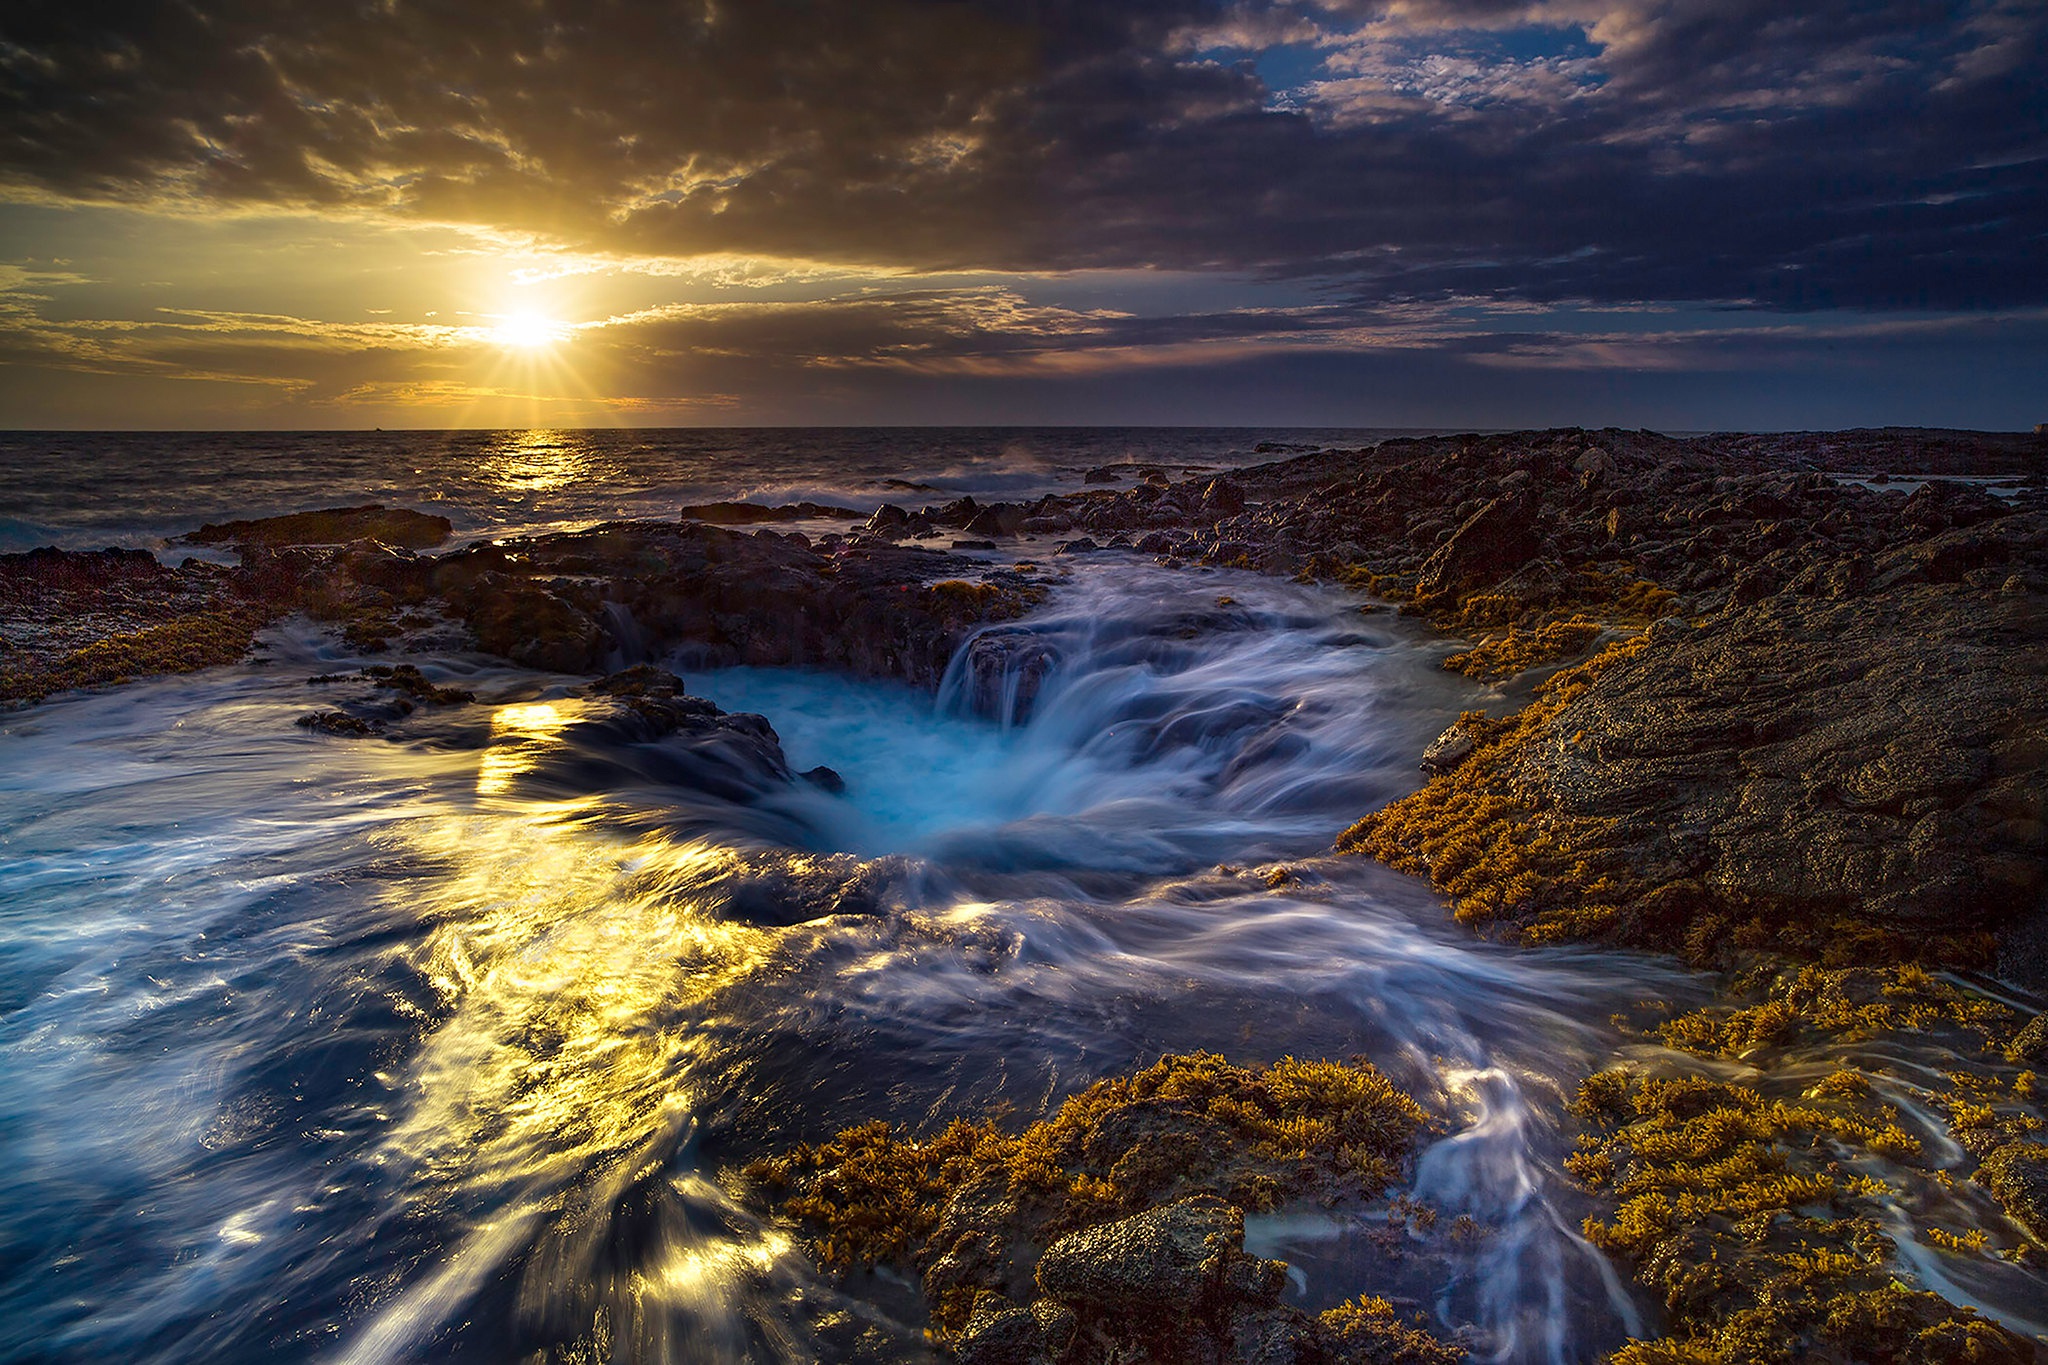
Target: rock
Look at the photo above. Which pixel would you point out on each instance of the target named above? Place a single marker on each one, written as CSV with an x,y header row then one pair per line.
x,y
997,519
331,526
1004,669
752,514
409,682
1009,1336
1488,546
1448,749
1865,755
1171,1258
337,723
531,626
1222,498
974,545
2030,1045
888,517
1080,546
1102,474
1940,504
2017,1175
641,680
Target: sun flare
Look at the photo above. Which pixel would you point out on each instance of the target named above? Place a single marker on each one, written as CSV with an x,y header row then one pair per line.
x,y
527,331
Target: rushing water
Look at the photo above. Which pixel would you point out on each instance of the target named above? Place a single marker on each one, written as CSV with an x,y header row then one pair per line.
x,y
447,1043
362,1050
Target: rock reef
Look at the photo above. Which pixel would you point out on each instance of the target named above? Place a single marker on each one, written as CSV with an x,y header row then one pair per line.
x,y
1114,1230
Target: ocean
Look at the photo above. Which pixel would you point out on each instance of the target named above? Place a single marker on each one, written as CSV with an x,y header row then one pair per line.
x,y
83,490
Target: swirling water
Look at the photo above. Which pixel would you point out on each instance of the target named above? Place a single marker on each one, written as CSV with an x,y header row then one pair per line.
x,y
370,1050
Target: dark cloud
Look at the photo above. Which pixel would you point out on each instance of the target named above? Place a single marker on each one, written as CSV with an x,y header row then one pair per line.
x,y
1845,153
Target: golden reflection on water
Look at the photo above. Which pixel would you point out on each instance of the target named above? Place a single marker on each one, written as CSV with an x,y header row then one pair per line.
x,y
518,736
540,462
575,973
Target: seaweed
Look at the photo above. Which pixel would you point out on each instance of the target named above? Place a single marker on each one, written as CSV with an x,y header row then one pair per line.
x,y
1744,1215
1368,1331
183,644
1503,656
1495,850
970,1206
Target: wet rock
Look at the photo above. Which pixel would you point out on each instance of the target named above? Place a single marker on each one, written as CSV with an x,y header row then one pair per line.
x,y
1102,474
1448,749
2017,1175
1174,1256
998,519
71,619
753,514
781,889
531,625
887,519
641,680
2030,1044
1006,1336
1222,498
337,723
397,526
1003,670
409,682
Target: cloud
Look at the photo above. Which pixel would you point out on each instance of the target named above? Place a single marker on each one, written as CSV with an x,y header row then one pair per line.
x,y
1843,153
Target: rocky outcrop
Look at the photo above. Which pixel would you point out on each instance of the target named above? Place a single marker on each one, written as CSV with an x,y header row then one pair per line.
x,y
90,618
568,603
1174,1284
1114,1230
1837,724
2017,1174
1875,755
398,526
755,514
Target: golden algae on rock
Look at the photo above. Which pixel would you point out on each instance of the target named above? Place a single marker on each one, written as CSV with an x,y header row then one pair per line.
x,y
1746,1216
972,1207
183,644
1493,847
1767,1222
1498,657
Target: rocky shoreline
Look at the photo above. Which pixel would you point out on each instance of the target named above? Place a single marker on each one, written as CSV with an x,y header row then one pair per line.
x,y
1777,704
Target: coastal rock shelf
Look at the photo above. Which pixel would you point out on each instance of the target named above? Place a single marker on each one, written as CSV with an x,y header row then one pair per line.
x,y
1773,706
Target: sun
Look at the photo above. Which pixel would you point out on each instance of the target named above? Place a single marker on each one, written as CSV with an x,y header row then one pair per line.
x,y
527,331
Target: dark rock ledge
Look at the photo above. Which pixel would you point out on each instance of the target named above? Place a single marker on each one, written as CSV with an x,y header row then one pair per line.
x,y
569,602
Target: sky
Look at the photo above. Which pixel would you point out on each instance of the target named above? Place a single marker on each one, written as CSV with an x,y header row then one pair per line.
x,y
1681,214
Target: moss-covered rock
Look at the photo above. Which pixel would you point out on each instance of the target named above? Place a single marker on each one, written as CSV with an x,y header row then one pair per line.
x,y
1160,1163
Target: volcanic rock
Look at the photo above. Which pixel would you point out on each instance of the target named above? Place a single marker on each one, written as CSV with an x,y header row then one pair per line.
x,y
331,526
